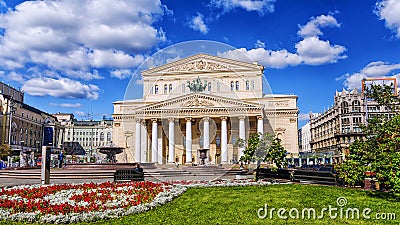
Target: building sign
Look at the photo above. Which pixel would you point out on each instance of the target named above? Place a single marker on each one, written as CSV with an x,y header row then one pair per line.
x,y
48,136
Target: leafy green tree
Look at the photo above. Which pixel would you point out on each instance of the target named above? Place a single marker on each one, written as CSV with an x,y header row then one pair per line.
x,y
380,151
5,150
261,148
277,153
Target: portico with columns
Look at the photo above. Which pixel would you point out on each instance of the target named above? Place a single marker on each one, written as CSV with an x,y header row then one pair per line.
x,y
174,123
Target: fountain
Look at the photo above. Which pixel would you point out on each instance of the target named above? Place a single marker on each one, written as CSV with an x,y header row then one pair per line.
x,y
111,151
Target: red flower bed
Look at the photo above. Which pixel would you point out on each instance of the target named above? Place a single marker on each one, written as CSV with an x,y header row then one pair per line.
x,y
70,198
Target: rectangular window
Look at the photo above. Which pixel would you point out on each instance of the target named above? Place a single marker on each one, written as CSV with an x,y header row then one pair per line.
x,y
183,88
218,87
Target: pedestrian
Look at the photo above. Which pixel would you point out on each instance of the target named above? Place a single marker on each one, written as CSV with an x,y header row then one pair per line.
x,y
138,168
60,159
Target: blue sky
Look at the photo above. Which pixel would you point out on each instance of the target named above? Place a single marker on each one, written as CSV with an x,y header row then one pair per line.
x,y
78,56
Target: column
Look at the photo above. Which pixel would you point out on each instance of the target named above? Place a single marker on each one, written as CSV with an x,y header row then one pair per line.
x,y
188,140
144,142
154,141
224,140
206,133
242,134
260,124
171,141
137,140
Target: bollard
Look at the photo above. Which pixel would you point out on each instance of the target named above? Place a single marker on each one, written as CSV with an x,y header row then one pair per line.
x,y
45,173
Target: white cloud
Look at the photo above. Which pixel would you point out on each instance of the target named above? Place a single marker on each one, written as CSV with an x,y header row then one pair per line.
x,y
388,10
312,28
260,44
304,117
372,70
75,36
260,6
62,88
268,58
310,50
114,59
121,74
197,23
79,113
314,51
66,105
12,76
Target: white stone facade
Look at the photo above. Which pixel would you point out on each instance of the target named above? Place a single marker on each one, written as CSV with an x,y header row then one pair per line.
x,y
173,124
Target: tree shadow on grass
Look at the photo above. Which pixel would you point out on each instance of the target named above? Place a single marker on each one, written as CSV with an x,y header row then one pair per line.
x,y
389,196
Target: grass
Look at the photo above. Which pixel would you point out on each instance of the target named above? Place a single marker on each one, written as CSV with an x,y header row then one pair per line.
x,y
239,205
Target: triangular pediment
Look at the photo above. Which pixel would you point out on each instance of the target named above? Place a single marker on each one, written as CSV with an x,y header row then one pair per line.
x,y
202,63
200,101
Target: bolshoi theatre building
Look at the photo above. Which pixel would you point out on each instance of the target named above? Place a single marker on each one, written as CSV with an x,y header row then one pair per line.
x,y
195,109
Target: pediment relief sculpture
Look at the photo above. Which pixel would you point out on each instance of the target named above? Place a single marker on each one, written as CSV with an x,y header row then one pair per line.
x,y
197,103
198,66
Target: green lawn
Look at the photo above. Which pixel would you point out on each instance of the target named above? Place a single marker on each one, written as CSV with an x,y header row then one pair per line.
x,y
239,205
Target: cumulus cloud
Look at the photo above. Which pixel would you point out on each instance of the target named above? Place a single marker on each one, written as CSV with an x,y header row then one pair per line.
x,y
121,74
314,51
310,50
312,28
269,58
12,76
260,6
66,105
73,37
388,10
372,70
63,87
197,23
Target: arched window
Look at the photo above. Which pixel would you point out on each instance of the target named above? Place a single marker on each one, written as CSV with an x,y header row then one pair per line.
x,y
237,85
209,86
165,89
232,86
101,136
156,89
109,136
247,85
170,88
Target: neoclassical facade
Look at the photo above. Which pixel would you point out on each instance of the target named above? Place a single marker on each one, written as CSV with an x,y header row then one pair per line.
x,y
195,109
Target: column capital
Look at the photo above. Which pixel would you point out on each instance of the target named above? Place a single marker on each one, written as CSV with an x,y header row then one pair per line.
x,y
242,117
138,120
224,118
171,119
154,120
144,123
260,117
188,119
206,118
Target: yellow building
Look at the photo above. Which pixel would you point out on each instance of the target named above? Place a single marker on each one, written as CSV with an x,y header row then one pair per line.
x,y
194,110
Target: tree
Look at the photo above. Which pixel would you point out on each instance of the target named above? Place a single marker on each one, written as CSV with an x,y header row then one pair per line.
x,y
260,148
5,150
277,153
380,151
